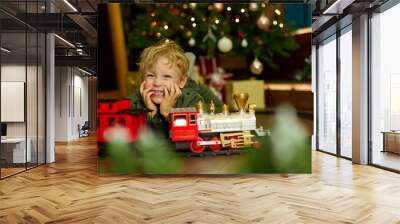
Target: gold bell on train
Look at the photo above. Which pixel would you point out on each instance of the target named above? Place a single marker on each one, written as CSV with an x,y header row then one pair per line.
x,y
212,107
225,109
241,101
200,107
252,108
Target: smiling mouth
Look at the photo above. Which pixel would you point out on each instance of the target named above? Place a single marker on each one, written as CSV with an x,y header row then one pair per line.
x,y
158,92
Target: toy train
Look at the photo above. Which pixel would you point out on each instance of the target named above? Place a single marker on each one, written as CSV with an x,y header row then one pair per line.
x,y
191,129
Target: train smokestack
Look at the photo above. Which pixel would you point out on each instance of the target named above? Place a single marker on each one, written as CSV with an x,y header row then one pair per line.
x,y
241,101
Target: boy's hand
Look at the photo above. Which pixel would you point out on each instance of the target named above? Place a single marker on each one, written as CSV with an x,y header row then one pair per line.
x,y
146,96
170,97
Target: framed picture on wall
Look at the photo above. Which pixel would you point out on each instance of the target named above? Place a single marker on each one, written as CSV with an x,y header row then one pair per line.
x,y
12,101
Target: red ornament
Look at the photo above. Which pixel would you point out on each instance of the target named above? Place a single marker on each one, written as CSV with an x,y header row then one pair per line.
x,y
241,35
175,11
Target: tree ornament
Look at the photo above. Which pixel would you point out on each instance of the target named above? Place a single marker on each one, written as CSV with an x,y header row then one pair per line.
x,y
193,6
256,67
263,5
218,7
174,11
244,43
258,40
210,34
253,7
237,19
192,42
263,22
225,44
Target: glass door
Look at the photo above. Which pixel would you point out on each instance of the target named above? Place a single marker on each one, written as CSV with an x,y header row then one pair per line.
x,y
346,92
14,154
22,76
326,98
385,89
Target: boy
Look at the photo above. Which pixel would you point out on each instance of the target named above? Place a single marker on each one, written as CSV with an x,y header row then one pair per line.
x,y
166,84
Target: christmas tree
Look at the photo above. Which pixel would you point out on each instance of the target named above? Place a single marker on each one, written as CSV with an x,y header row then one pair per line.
x,y
246,30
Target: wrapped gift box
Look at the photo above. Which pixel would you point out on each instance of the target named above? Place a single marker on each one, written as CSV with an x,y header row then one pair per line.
x,y
255,89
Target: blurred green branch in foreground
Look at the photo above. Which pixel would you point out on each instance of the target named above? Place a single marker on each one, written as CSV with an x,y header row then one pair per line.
x,y
287,150
151,154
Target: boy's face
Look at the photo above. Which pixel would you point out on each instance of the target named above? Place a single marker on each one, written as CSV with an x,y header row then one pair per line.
x,y
163,75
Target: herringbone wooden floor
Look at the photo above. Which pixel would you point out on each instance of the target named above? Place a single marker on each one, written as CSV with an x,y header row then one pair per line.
x,y
70,191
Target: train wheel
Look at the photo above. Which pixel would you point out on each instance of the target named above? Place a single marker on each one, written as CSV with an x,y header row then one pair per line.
x,y
195,147
216,147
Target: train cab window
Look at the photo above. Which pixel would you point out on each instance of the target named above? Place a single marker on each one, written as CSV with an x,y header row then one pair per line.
x,y
180,120
192,119
110,106
111,122
121,121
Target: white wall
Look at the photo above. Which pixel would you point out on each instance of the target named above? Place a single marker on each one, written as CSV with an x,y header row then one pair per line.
x,y
81,82
61,103
71,94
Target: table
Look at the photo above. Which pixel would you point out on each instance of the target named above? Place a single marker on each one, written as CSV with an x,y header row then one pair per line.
x,y
391,141
13,150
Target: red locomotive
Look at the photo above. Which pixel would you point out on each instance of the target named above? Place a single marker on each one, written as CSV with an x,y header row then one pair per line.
x,y
190,128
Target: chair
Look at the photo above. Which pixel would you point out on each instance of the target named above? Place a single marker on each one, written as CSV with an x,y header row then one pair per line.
x,y
84,130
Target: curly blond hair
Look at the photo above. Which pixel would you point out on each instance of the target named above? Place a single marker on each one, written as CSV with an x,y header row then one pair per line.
x,y
165,48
